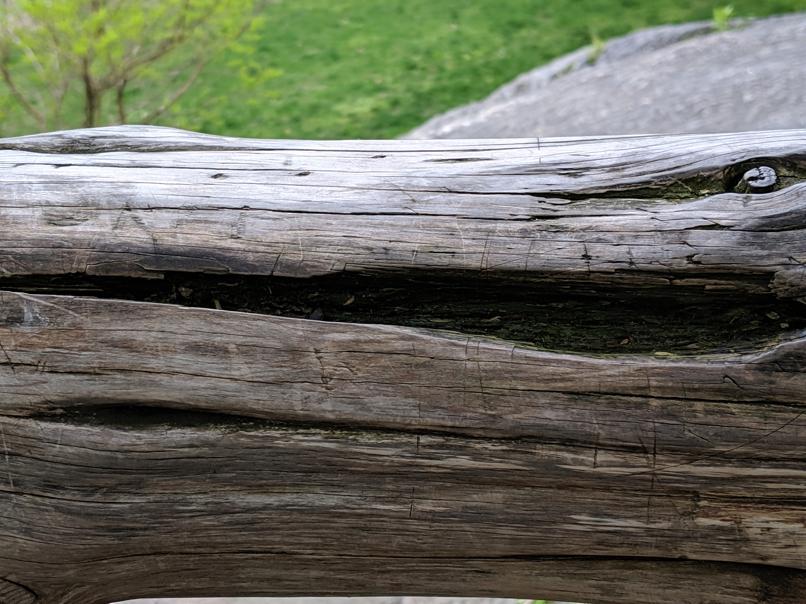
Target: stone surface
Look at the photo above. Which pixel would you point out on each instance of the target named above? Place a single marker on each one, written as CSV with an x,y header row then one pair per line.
x,y
671,79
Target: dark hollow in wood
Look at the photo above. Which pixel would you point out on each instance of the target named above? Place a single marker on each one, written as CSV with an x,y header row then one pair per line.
x,y
519,308
571,369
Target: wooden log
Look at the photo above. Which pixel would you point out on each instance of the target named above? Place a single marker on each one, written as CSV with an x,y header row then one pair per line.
x,y
568,368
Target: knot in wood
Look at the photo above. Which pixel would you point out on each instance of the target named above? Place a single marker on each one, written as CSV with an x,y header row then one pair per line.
x,y
760,179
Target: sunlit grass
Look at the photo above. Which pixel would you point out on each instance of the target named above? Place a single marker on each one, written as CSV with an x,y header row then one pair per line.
x,y
376,68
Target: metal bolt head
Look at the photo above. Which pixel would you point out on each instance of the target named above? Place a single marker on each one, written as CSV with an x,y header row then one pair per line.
x,y
758,180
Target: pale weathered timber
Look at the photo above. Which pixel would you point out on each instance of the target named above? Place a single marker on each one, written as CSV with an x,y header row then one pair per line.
x,y
106,202
654,451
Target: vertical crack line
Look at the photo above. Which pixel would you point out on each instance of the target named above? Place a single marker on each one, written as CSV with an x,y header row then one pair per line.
x,y
325,379
8,358
7,457
657,471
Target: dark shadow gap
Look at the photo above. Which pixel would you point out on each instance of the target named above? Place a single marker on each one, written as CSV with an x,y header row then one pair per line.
x,y
141,418
552,316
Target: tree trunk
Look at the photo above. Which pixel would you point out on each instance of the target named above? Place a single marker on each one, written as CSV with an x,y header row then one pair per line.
x,y
91,94
568,368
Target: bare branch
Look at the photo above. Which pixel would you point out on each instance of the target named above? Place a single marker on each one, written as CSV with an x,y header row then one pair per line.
x,y
120,101
181,30
19,96
150,117
91,94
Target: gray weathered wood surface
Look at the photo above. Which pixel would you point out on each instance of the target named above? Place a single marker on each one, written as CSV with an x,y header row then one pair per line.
x,y
111,202
151,449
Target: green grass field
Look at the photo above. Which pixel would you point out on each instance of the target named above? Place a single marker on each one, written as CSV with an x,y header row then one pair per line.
x,y
376,68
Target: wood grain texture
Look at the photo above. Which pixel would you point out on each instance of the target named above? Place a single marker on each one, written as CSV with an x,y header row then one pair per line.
x,y
151,449
118,201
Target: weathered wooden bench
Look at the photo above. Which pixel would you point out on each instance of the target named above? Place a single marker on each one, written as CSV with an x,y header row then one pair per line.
x,y
568,368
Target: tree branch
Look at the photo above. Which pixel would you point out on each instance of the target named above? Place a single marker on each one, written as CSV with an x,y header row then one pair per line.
x,y
90,94
120,101
19,96
150,117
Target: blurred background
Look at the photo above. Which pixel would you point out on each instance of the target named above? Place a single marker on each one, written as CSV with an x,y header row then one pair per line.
x,y
304,68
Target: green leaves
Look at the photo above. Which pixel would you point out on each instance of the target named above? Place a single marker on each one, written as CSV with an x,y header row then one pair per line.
x,y
722,16
113,60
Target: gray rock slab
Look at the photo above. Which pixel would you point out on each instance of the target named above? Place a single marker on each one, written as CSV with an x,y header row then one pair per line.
x,y
671,79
